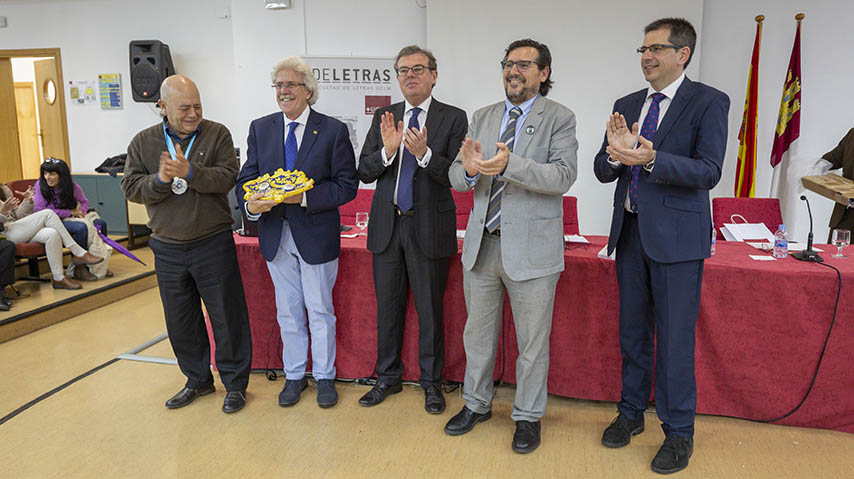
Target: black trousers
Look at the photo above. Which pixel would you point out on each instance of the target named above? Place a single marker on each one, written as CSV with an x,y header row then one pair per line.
x,y
401,265
205,270
7,263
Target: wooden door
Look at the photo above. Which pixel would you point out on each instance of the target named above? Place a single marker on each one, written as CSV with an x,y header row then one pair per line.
x,y
10,151
51,98
28,134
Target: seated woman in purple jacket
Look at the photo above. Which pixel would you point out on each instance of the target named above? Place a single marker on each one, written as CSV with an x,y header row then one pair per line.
x,y
57,192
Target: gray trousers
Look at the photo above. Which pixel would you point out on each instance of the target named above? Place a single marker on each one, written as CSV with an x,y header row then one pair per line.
x,y
532,302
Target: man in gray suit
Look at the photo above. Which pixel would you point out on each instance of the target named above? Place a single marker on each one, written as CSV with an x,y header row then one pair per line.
x,y
520,157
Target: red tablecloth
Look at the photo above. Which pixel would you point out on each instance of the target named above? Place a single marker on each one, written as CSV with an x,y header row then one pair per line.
x,y
759,335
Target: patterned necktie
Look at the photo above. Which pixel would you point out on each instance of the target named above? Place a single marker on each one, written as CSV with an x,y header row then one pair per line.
x,y
493,214
291,149
407,169
650,124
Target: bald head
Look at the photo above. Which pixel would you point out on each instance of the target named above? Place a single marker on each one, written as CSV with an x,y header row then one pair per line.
x,y
180,103
177,83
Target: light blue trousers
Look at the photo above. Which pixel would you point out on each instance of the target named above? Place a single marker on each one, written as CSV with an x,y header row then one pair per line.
x,y
302,287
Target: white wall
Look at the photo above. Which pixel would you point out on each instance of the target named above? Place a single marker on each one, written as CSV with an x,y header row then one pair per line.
x,y
93,36
827,72
594,62
228,46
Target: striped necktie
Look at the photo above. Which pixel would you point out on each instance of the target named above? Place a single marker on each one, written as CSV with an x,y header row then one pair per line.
x,y
493,214
650,124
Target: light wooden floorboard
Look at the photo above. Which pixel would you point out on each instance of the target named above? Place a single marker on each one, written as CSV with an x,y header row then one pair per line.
x,y
113,424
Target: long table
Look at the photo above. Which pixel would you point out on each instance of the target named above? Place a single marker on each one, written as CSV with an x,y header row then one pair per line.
x,y
761,329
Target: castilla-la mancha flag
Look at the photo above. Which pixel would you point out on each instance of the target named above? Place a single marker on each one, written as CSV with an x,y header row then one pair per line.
x,y
745,173
788,129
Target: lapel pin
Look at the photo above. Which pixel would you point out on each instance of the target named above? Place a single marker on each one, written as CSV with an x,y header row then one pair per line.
x,y
315,132
530,129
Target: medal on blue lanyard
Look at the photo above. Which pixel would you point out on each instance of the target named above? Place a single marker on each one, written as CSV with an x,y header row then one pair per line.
x,y
179,185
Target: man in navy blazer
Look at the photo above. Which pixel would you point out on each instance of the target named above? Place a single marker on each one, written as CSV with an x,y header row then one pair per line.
x,y
412,231
665,165
300,238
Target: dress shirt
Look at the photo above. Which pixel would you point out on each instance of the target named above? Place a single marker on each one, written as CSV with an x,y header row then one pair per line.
x,y
526,108
669,92
422,120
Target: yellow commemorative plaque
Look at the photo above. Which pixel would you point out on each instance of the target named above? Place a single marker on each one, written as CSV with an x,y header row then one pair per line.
x,y
278,186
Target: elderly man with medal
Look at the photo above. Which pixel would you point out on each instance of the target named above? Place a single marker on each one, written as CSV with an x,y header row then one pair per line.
x,y
182,170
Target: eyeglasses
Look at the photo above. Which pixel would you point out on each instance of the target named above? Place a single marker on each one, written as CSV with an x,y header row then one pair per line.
x,y
415,69
656,48
521,65
52,160
287,86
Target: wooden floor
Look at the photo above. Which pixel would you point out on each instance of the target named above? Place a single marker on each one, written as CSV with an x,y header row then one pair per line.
x,y
112,424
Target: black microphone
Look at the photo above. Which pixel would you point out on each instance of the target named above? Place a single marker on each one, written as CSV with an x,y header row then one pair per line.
x,y
808,254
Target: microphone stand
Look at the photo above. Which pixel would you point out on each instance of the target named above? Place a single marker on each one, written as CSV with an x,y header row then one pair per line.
x,y
808,254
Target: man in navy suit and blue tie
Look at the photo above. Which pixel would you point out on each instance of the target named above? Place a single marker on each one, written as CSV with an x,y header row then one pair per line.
x,y
665,164
300,238
412,232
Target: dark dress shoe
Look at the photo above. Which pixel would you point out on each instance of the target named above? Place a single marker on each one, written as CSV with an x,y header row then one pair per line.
x,y
527,436
234,401
621,430
434,401
378,393
673,455
465,421
327,396
83,274
87,258
188,395
291,392
4,306
66,283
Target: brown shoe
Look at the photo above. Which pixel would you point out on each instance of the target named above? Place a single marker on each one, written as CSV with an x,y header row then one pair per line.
x,y
82,273
87,258
66,283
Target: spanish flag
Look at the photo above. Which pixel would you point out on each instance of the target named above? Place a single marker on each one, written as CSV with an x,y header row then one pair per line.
x,y
745,174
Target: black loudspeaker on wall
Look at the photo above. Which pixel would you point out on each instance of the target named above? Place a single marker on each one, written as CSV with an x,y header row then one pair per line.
x,y
150,64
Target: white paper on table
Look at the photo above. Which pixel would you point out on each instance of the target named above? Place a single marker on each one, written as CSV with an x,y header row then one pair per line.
x,y
801,247
761,245
461,234
603,253
746,231
575,239
762,257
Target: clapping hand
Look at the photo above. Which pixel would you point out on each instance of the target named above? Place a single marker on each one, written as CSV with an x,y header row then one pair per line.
x,y
392,134
622,141
416,141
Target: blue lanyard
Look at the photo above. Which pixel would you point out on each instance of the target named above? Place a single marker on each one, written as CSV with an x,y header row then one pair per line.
x,y
171,146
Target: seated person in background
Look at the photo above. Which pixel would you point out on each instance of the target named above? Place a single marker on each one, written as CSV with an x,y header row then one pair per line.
x,y
57,192
7,270
22,226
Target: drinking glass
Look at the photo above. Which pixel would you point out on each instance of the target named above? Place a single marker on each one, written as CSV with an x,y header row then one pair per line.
x,y
841,239
362,222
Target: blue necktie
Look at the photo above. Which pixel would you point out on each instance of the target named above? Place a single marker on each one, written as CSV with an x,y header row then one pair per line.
x,y
407,169
493,213
291,149
650,124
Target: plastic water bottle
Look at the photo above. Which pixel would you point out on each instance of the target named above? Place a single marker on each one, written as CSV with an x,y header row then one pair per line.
x,y
781,243
714,238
